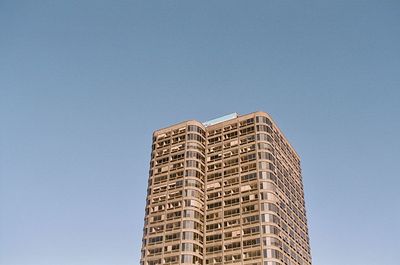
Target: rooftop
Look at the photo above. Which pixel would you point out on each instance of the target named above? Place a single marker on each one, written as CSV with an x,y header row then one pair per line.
x,y
220,119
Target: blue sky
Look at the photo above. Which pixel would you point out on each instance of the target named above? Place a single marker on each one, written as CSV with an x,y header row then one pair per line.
x,y
84,83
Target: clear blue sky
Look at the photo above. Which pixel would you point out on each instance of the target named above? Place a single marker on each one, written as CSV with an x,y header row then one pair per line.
x,y
84,83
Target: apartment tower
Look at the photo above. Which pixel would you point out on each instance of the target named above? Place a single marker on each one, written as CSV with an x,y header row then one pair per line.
x,y
227,191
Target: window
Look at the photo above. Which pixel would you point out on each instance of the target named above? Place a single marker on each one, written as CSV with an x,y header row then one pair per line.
x,y
155,240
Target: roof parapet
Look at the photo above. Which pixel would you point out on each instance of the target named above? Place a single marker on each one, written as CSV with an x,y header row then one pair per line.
x,y
220,119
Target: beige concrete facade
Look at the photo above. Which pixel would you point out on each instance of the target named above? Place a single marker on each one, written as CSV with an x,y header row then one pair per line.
x,y
227,191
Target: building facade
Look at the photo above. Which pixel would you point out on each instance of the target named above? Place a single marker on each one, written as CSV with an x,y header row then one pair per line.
x,y
227,191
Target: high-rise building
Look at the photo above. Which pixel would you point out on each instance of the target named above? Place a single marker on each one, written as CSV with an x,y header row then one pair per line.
x,y
227,191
